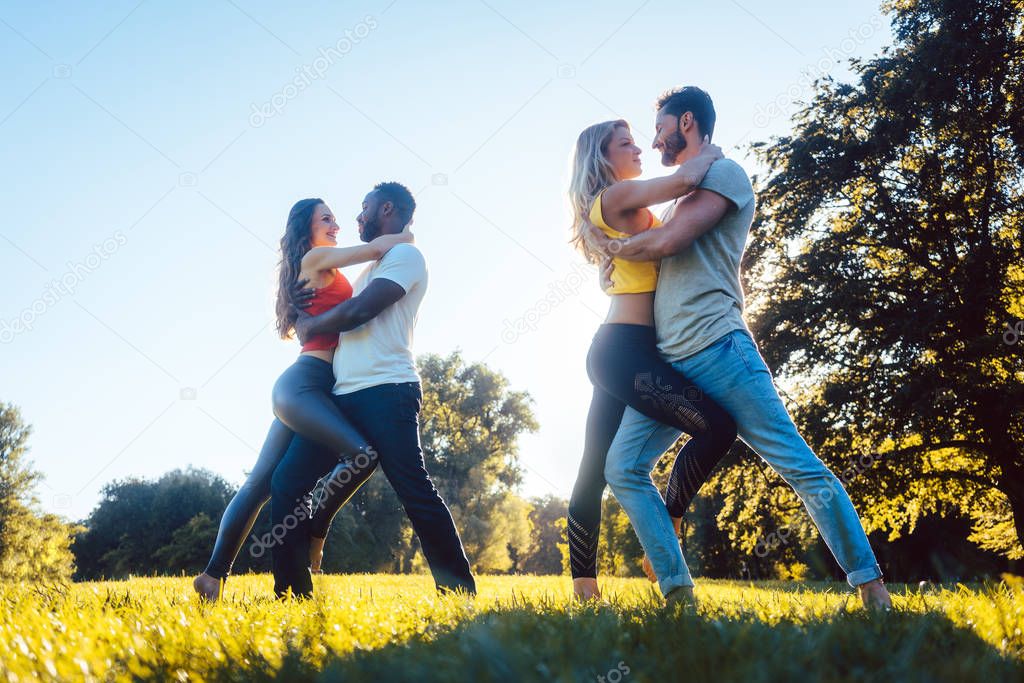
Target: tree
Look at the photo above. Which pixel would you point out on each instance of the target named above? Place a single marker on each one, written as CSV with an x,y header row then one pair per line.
x,y
33,545
548,549
470,426
190,545
470,423
887,276
163,526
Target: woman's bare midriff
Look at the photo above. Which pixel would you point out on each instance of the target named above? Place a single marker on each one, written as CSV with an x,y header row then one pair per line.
x,y
631,309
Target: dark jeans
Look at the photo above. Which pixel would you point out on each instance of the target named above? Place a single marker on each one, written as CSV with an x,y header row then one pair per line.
x,y
626,370
388,416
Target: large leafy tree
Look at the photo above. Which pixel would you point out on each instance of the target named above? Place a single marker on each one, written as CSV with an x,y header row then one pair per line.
x,y
33,546
886,275
471,422
469,427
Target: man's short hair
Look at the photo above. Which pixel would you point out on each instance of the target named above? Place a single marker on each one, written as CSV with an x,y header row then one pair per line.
x,y
399,195
690,99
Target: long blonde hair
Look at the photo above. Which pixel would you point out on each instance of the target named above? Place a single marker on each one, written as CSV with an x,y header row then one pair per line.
x,y
592,173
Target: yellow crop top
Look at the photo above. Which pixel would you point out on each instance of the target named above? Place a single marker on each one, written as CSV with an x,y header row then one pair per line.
x,y
629,277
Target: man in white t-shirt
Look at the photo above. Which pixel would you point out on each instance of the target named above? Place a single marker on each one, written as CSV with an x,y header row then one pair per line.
x,y
378,389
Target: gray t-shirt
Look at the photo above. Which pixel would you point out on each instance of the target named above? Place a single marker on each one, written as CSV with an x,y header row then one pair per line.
x,y
699,298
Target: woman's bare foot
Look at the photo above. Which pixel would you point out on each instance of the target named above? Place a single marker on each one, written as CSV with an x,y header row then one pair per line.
x,y
875,596
584,589
316,554
207,586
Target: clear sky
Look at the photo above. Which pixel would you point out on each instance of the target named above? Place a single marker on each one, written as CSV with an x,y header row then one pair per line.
x,y
151,151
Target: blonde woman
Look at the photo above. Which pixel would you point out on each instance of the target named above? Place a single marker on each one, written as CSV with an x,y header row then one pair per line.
x,y
623,362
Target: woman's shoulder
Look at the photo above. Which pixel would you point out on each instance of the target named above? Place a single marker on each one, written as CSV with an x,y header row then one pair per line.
x,y
600,210
318,279
310,258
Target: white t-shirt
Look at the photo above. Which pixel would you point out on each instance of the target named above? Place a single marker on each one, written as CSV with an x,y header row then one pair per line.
x,y
380,351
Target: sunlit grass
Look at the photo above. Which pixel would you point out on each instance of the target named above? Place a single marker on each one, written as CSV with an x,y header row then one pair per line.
x,y
384,627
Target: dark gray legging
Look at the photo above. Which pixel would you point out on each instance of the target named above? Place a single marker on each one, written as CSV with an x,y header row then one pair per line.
x,y
302,404
626,370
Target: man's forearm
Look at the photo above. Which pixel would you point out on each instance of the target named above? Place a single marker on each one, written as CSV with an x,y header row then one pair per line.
x,y
649,245
690,220
346,316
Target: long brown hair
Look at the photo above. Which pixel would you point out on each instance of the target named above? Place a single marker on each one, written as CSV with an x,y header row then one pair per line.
x,y
297,240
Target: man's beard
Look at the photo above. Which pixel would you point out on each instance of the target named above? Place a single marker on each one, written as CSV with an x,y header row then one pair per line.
x,y
674,144
370,231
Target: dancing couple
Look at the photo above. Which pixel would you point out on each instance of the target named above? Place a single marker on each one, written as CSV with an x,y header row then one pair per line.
x,y
674,354
350,401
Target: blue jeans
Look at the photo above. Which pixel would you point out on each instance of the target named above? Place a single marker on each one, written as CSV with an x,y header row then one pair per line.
x,y
733,374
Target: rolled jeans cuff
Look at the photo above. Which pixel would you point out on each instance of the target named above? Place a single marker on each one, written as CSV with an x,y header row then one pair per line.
x,y
861,576
669,584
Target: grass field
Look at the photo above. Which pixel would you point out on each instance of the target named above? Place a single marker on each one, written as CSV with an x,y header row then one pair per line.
x,y
382,628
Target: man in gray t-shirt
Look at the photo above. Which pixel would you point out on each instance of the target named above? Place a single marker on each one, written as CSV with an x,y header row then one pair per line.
x,y
699,298
697,311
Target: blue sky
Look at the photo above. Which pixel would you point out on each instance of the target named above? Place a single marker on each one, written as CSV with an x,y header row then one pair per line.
x,y
152,150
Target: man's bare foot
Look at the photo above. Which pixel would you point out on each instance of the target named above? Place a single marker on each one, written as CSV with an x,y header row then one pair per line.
x,y
677,523
207,587
584,589
875,596
683,595
316,554
649,570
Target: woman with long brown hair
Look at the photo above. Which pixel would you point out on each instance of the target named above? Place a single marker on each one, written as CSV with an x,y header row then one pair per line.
x,y
301,395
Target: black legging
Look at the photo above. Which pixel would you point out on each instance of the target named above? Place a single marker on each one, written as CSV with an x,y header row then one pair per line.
x,y
626,369
302,404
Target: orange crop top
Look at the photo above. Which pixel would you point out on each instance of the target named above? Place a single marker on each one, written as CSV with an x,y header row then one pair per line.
x,y
323,300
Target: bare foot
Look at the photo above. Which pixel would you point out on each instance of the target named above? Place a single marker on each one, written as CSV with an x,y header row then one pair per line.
x,y
585,589
875,596
649,570
207,587
316,554
683,595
